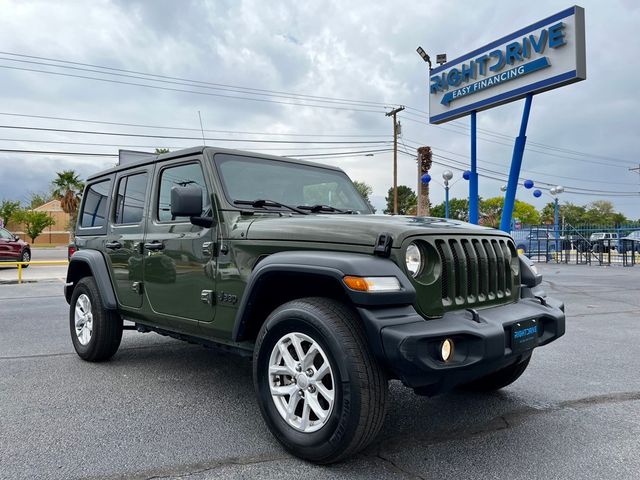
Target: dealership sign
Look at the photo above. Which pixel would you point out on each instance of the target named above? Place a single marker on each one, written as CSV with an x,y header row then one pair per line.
x,y
548,54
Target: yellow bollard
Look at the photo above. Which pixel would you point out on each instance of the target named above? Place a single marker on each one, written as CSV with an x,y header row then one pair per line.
x,y
19,272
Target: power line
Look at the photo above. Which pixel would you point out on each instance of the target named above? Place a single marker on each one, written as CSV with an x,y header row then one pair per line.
x,y
92,154
458,165
50,152
529,144
247,89
101,122
140,135
162,145
220,95
105,70
543,174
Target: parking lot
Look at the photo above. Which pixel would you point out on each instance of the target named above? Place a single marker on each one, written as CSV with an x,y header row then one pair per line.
x,y
38,272
163,408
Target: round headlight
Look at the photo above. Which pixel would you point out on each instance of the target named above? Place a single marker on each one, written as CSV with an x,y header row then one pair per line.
x,y
413,259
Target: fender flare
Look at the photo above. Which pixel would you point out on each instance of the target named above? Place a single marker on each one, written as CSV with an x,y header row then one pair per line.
x,y
333,265
92,261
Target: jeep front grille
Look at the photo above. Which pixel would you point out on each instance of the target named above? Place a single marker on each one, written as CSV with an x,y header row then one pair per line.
x,y
475,270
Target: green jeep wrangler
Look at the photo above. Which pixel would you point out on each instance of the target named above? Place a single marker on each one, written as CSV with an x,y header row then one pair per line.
x,y
283,260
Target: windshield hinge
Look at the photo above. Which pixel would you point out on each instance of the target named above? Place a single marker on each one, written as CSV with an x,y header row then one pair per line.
x,y
383,245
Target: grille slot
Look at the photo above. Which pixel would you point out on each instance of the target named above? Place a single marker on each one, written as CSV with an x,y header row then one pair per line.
x,y
475,270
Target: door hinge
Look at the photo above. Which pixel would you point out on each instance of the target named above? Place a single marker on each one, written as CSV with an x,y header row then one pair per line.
x,y
137,287
207,296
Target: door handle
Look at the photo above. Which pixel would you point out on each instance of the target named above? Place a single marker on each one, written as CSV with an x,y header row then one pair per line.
x,y
113,245
154,246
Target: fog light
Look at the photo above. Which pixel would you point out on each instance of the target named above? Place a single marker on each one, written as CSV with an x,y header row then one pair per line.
x,y
446,350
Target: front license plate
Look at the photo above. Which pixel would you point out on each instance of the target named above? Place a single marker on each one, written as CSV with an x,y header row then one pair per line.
x,y
524,335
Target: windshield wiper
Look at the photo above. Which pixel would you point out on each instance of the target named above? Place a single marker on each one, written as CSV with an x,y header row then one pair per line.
x,y
262,203
323,208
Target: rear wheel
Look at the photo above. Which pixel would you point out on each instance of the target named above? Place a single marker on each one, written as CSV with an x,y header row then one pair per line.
x,y
320,389
95,332
499,379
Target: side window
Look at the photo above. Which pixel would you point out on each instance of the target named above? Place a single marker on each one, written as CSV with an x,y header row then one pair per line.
x,y
182,175
5,235
132,192
95,205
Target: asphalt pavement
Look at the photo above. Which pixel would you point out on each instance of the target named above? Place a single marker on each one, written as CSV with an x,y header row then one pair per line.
x,y
162,408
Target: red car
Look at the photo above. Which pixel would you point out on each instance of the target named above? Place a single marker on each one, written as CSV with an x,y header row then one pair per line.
x,y
12,249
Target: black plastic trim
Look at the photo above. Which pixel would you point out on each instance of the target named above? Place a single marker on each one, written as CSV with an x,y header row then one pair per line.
x,y
406,344
96,263
334,265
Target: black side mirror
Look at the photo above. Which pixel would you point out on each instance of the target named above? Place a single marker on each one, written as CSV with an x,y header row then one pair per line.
x,y
186,201
16,238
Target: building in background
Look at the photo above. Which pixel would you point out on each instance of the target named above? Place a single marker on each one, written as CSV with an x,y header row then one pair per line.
x,y
57,234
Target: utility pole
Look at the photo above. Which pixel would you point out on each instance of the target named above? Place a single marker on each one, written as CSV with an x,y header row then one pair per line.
x,y
393,114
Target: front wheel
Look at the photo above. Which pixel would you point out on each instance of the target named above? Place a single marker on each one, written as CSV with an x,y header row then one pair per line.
x,y
25,257
320,389
499,379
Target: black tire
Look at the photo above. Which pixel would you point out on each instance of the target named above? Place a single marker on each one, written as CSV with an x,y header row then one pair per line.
x,y
360,385
107,325
25,256
500,379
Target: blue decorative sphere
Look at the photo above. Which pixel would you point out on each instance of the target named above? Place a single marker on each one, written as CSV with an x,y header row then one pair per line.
x,y
466,174
528,184
426,178
537,193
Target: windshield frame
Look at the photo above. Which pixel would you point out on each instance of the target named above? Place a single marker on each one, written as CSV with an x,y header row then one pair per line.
x,y
216,160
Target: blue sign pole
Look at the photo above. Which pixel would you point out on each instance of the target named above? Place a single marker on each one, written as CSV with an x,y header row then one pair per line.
x,y
473,178
516,162
555,221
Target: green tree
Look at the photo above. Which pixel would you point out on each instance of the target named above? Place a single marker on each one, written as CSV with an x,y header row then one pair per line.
x,y
458,209
491,211
67,187
572,214
8,209
34,222
37,199
602,212
407,201
160,151
364,189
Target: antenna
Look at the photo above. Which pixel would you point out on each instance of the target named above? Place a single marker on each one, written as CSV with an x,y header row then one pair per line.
x,y
202,129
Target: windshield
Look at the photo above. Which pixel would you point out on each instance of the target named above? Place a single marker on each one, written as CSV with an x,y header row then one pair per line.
x,y
248,179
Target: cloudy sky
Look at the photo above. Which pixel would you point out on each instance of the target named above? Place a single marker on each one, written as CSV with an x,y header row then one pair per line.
x,y
251,68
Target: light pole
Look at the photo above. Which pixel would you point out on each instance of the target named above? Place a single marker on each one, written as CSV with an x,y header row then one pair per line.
x,y
555,191
446,176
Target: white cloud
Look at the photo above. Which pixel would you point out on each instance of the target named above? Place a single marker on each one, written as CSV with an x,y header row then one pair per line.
x,y
359,49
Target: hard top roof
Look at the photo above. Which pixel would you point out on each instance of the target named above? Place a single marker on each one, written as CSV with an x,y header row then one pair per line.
x,y
185,152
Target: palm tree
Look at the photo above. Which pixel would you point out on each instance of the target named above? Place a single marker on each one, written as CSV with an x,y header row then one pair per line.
x,y
67,188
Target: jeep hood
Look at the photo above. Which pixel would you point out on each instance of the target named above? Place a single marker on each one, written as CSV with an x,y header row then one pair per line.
x,y
356,229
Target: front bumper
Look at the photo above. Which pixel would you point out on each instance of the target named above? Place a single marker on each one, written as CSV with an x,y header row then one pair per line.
x,y
408,345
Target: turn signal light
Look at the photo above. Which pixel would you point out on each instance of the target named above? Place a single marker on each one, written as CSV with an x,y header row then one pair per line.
x,y
372,284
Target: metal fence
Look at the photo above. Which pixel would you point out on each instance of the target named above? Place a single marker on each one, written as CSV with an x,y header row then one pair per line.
x,y
580,244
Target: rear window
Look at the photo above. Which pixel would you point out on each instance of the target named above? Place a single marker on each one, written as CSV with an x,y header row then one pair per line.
x,y
94,209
